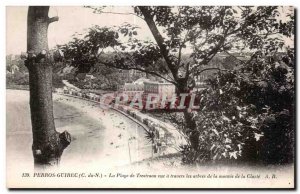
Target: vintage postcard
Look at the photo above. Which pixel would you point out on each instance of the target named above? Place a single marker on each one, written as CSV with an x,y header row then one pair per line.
x,y
150,97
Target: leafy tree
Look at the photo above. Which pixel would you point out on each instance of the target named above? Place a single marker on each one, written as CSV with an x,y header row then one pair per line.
x,y
203,32
250,113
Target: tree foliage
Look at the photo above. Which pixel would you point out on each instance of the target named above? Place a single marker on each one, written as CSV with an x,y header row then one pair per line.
x,y
242,101
251,114
201,31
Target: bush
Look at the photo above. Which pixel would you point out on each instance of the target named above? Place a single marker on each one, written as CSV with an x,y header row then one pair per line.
x,y
249,113
246,114
17,78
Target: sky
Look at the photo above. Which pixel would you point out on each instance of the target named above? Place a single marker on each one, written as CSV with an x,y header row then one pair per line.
x,y
71,19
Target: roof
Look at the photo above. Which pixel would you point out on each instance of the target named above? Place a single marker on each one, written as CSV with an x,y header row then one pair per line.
x,y
141,80
158,83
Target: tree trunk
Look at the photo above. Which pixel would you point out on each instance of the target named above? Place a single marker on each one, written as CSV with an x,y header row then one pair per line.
x,y
191,126
182,85
159,40
48,144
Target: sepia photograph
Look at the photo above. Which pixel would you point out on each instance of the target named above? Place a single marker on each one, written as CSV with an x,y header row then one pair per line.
x,y
150,97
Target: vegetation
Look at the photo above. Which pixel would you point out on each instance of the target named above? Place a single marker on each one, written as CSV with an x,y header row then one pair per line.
x,y
247,114
248,111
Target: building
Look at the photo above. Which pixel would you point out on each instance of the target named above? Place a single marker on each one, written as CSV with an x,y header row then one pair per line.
x,y
145,87
160,89
129,75
131,89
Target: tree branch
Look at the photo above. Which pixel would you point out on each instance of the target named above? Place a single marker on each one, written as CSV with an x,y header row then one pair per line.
x,y
53,19
159,40
144,70
108,64
180,48
211,68
234,56
120,13
209,56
